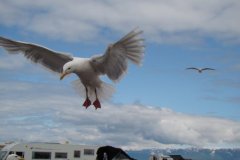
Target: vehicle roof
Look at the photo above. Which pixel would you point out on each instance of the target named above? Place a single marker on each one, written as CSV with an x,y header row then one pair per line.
x,y
34,144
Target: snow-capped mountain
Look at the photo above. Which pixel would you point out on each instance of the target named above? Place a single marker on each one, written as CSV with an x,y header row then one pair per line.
x,y
190,153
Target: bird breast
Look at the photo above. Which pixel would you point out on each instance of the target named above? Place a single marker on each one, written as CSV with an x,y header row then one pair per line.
x,y
86,73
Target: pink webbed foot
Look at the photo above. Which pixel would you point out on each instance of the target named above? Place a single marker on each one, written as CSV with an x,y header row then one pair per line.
x,y
87,103
97,104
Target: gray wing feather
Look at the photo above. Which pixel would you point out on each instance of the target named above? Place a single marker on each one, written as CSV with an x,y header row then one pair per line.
x,y
208,69
193,68
114,61
50,59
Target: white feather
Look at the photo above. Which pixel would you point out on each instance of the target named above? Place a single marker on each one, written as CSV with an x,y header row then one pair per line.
x,y
104,92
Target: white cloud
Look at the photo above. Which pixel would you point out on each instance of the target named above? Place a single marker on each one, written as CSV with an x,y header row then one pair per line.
x,y
11,62
57,116
164,21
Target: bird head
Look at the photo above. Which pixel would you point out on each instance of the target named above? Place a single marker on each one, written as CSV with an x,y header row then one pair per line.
x,y
67,69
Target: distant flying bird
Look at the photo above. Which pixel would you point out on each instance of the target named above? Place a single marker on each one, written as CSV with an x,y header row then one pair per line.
x,y
200,70
113,63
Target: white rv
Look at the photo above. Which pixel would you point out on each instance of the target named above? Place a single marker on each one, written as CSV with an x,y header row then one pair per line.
x,y
50,151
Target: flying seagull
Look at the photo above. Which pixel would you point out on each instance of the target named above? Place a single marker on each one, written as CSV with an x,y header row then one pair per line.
x,y
200,70
113,63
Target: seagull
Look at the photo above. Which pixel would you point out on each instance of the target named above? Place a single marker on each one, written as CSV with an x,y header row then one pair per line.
x,y
200,70
113,63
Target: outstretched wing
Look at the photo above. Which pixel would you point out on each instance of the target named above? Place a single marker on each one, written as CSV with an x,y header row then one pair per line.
x,y
193,68
50,59
114,62
207,69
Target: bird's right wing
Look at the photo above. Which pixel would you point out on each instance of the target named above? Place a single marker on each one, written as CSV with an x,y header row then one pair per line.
x,y
208,69
114,62
192,68
50,59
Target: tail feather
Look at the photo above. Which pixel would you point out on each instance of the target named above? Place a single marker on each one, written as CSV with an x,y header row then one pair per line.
x,y
104,92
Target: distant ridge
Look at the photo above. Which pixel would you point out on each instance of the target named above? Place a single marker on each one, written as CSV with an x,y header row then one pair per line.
x,y
192,153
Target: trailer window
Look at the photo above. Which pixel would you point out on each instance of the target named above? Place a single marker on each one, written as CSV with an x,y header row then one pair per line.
x,y
21,154
41,155
11,152
89,152
77,154
60,155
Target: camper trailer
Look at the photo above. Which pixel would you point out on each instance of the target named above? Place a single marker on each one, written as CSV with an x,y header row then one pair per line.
x,y
50,151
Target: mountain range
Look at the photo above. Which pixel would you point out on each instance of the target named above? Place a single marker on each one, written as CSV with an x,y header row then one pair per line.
x,y
190,153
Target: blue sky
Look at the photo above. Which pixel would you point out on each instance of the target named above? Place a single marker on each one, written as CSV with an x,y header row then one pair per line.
x,y
175,105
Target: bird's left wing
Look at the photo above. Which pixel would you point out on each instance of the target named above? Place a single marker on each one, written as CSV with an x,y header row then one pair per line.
x,y
114,62
38,54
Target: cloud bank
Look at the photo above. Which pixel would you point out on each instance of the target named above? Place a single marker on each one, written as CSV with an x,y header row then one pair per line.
x,y
57,116
163,21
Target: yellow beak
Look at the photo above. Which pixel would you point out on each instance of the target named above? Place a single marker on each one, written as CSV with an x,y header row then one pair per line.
x,y
63,75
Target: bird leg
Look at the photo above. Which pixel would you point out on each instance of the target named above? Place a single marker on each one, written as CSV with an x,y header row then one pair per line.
x,y
87,102
96,103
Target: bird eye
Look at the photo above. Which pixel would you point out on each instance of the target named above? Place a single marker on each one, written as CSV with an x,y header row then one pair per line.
x,y
69,68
